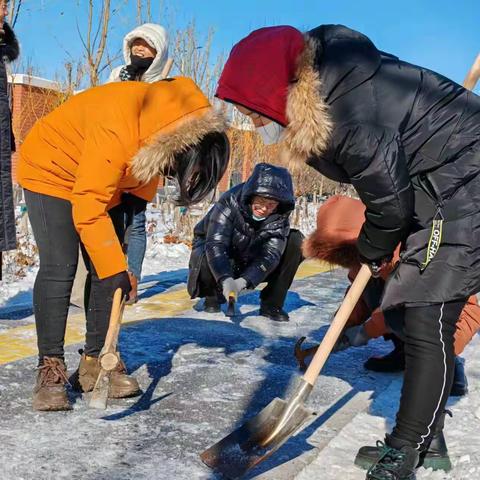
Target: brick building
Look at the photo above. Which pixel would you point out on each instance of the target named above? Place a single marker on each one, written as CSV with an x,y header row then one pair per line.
x,y
31,98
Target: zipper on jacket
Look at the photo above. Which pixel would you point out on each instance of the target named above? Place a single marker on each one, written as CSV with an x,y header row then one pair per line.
x,y
429,187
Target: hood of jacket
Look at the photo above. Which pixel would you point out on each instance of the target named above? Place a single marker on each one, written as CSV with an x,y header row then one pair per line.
x,y
174,115
272,182
10,49
156,36
303,80
339,221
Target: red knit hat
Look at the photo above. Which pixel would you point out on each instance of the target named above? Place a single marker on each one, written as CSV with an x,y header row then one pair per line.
x,y
259,70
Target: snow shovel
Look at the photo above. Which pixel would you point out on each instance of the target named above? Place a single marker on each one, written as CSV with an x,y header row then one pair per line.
x,y
265,433
108,358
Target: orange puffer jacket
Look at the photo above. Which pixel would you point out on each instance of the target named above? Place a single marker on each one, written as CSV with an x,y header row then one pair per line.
x,y
339,221
108,140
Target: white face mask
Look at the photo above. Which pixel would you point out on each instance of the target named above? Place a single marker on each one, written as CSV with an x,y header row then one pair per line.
x,y
270,133
258,219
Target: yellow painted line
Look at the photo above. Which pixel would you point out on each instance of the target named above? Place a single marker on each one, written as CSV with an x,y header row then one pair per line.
x,y
21,342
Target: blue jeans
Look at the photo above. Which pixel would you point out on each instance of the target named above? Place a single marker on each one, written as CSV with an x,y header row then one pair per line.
x,y
137,243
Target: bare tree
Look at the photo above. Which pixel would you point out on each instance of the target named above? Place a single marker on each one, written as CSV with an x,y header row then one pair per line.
x,y
144,11
95,40
192,57
13,11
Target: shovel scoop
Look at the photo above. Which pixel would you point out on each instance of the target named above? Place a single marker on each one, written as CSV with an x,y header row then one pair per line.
x,y
260,436
232,300
266,432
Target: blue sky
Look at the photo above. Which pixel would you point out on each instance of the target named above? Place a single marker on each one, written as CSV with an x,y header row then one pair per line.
x,y
443,35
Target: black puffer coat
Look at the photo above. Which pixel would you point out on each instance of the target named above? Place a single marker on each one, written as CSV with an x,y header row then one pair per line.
x,y
408,140
236,245
8,51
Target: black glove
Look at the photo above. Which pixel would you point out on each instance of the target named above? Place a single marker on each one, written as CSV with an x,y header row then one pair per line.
x,y
128,73
119,280
376,266
133,203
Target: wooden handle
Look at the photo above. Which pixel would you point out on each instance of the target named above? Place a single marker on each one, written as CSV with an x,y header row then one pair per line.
x,y
109,361
337,325
166,69
114,324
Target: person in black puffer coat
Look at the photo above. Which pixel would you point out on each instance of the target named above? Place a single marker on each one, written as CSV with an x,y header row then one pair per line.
x,y
9,51
244,240
408,140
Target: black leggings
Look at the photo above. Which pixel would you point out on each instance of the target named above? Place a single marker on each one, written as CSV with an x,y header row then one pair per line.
x,y
429,354
57,242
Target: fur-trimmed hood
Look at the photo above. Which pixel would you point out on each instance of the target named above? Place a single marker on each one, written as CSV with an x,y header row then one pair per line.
x,y
174,116
339,221
309,123
157,156
10,48
294,78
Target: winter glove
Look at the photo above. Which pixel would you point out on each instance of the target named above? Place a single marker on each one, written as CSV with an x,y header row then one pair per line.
x,y
128,73
119,280
230,285
377,266
133,203
352,337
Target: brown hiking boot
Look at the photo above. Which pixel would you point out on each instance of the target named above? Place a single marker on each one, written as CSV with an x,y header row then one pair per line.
x,y
121,385
49,393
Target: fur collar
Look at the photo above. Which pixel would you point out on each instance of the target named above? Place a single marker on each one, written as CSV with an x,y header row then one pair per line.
x,y
11,50
309,124
158,155
332,252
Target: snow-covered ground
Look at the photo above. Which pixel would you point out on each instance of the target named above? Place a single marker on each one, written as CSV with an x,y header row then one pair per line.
x,y
202,376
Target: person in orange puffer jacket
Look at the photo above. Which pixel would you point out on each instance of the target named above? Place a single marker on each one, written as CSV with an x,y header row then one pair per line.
x,y
74,166
339,221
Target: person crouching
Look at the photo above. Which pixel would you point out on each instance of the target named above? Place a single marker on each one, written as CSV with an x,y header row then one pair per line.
x,y
246,239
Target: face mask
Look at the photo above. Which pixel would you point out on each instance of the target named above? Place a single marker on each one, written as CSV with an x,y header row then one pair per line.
x,y
141,63
270,133
258,219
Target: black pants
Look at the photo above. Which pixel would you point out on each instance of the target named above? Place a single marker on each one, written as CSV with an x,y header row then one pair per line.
x,y
278,282
57,242
429,355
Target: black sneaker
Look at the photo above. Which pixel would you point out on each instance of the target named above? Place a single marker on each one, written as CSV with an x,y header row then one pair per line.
x,y
394,464
211,305
390,363
460,382
436,457
274,313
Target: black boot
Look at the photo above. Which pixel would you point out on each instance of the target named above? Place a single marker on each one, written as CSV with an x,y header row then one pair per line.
x,y
211,305
392,362
274,313
460,382
434,457
396,461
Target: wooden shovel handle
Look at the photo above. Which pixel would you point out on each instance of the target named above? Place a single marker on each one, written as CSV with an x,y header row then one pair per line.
x,y
114,324
338,324
166,69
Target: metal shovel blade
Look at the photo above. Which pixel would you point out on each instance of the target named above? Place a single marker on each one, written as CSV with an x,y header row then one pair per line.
x,y
99,396
258,438
230,306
